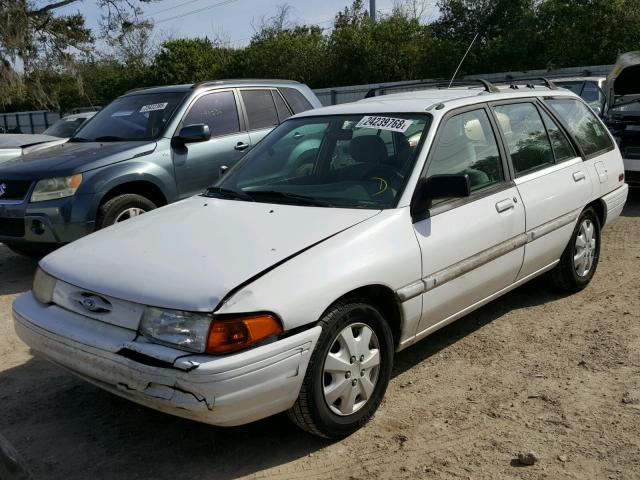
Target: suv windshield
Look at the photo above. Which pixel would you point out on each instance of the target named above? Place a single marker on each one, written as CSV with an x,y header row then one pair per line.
x,y
350,161
132,117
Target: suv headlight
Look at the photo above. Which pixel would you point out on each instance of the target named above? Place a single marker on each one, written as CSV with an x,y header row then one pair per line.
x,y
202,332
52,188
43,286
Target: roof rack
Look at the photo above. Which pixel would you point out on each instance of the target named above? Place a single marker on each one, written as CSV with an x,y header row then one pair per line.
x,y
441,84
528,83
205,83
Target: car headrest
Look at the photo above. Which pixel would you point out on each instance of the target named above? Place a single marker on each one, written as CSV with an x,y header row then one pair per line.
x,y
368,149
473,130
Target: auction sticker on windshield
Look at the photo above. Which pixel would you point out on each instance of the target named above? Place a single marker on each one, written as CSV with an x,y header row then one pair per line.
x,y
153,107
385,123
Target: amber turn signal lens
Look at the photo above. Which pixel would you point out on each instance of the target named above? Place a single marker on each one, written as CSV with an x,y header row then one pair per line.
x,y
227,336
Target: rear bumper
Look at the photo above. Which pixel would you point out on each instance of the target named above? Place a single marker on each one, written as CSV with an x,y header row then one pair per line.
x,y
227,390
614,202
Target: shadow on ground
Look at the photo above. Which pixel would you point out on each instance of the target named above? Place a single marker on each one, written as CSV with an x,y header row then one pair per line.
x,y
16,271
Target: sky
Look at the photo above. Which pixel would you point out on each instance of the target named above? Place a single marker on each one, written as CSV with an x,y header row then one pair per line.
x,y
228,19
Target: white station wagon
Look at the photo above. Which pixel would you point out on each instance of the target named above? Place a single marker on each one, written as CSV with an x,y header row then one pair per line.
x,y
349,233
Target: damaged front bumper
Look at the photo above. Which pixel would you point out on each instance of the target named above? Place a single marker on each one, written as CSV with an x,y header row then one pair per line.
x,y
226,390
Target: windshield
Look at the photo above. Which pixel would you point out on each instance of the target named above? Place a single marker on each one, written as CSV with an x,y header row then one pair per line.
x,y
350,161
133,117
65,127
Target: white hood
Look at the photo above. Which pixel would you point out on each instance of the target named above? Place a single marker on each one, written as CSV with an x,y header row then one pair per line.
x,y
191,254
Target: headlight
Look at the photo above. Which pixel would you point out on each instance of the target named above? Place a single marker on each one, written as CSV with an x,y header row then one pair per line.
x,y
201,332
186,330
43,286
53,188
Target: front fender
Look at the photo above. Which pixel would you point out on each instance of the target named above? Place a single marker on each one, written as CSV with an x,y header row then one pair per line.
x,y
382,250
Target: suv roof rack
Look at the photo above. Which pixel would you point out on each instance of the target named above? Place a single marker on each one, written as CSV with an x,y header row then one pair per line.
x,y
205,83
528,83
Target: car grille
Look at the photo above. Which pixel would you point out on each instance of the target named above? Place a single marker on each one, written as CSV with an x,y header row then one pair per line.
x,y
12,227
14,189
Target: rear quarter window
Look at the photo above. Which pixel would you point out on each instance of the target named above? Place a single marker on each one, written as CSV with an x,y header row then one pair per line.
x,y
589,132
296,100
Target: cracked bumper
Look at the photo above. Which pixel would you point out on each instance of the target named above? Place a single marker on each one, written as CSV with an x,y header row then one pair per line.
x,y
227,390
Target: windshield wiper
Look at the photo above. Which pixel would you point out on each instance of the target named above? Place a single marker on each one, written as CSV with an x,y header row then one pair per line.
x,y
78,139
227,193
290,197
109,138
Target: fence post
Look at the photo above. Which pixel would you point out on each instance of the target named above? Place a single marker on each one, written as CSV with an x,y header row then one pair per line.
x,y
334,97
17,122
31,122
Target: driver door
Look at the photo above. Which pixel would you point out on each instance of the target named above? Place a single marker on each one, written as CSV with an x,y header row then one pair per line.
x,y
197,165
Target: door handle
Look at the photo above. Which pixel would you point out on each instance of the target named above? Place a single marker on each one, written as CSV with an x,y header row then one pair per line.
x,y
241,146
504,205
579,175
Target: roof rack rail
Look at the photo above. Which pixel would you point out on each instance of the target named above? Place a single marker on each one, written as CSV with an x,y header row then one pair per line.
x,y
241,80
440,84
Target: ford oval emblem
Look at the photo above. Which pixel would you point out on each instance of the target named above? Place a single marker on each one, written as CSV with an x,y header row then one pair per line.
x,y
95,303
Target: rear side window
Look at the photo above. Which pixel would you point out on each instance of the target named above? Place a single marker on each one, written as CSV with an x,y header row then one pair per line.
x,y
526,137
218,111
562,148
588,131
296,100
261,110
467,144
281,106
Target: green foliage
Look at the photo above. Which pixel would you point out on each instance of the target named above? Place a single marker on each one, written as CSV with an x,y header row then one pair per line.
x,y
511,35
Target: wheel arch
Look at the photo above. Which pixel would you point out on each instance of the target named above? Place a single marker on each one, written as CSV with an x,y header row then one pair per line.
x,y
144,188
385,300
600,208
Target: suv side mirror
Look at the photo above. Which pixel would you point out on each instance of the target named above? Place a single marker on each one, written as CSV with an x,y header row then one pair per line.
x,y
195,133
438,186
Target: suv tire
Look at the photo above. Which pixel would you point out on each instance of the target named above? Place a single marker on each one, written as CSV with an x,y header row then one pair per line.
x,y
121,208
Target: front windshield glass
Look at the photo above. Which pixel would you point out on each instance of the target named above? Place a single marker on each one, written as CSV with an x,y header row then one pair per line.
x,y
65,127
133,117
350,161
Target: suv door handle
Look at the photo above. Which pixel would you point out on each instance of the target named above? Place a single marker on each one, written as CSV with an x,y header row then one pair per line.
x,y
579,175
504,205
240,146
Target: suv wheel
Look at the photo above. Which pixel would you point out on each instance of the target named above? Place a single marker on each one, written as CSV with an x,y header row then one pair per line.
x,y
348,372
121,208
580,258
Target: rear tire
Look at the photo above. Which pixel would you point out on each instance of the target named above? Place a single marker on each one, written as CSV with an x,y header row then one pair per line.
x,y
348,372
580,258
122,208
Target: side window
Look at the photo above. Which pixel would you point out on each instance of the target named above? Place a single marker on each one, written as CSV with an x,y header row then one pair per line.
x,y
296,100
582,123
526,137
281,106
467,144
261,110
218,111
562,148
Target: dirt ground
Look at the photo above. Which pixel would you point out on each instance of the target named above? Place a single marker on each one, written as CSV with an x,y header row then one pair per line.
x,y
534,370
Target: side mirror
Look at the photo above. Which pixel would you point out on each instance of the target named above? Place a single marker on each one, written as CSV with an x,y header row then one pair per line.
x,y
438,186
195,133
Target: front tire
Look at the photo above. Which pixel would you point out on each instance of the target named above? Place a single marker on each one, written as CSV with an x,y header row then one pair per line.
x,y
123,207
580,258
348,372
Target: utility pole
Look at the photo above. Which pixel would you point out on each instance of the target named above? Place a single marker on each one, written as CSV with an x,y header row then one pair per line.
x,y
372,9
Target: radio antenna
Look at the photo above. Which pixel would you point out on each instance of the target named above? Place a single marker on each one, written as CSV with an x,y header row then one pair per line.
x,y
462,61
